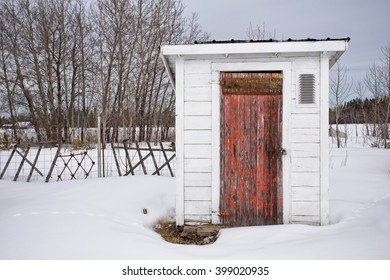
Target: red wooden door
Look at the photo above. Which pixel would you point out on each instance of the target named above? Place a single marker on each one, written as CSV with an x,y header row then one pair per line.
x,y
251,149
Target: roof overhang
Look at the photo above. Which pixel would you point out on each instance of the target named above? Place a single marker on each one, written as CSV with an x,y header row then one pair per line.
x,y
333,48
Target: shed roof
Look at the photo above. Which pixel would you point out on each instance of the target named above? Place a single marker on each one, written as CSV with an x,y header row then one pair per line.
x,y
248,49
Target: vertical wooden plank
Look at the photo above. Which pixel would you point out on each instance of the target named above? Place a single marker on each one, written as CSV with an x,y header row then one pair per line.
x,y
280,177
153,158
8,162
166,159
250,180
24,157
53,164
125,143
180,141
116,159
287,98
141,159
260,187
34,164
324,153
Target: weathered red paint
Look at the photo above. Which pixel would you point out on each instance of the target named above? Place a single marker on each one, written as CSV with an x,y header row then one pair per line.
x,y
251,141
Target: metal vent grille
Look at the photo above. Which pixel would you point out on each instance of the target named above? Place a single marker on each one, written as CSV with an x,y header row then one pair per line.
x,y
306,89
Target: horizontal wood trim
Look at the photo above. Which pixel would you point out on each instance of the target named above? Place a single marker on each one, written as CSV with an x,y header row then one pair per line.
x,y
197,66
197,94
305,179
197,179
197,193
197,79
305,121
305,194
305,164
305,135
303,208
197,122
197,151
197,108
254,48
312,220
197,137
196,219
308,64
197,165
197,207
304,150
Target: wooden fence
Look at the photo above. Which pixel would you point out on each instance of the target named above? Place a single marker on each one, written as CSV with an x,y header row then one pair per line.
x,y
132,165
65,164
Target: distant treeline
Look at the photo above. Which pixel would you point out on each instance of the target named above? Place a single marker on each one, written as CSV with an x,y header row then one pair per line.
x,y
360,111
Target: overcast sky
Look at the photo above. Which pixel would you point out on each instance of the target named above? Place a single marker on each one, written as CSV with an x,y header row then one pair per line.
x,y
366,22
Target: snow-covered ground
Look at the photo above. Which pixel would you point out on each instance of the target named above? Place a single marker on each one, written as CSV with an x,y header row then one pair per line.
x,y
104,219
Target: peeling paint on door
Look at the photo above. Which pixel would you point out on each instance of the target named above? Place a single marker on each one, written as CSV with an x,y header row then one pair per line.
x,y
251,149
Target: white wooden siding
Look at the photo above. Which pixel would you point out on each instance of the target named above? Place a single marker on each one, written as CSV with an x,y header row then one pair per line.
x,y
197,207
305,147
305,121
197,193
196,179
180,219
196,219
305,150
193,137
305,193
197,122
197,67
305,165
197,151
305,179
197,165
302,131
197,108
306,219
303,208
305,135
197,93
324,148
197,142
197,80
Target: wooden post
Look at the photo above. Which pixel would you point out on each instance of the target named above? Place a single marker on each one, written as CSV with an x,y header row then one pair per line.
x,y
8,162
99,149
53,163
29,162
128,159
116,159
167,160
154,159
141,159
34,163
21,164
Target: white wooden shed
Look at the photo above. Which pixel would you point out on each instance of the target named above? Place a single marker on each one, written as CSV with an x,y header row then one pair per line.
x,y
252,130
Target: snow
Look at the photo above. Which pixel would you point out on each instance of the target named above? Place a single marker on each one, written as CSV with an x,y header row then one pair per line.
x,y
104,219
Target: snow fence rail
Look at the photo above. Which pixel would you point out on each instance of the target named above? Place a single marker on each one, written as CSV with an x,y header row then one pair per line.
x,y
51,161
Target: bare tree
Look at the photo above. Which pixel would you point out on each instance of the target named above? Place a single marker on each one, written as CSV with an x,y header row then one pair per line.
x,y
259,32
340,89
377,81
7,83
64,62
385,78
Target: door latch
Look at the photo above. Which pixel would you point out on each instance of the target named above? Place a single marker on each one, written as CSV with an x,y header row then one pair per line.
x,y
282,151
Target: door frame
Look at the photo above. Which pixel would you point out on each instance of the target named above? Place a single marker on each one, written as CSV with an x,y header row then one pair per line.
x,y
216,68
